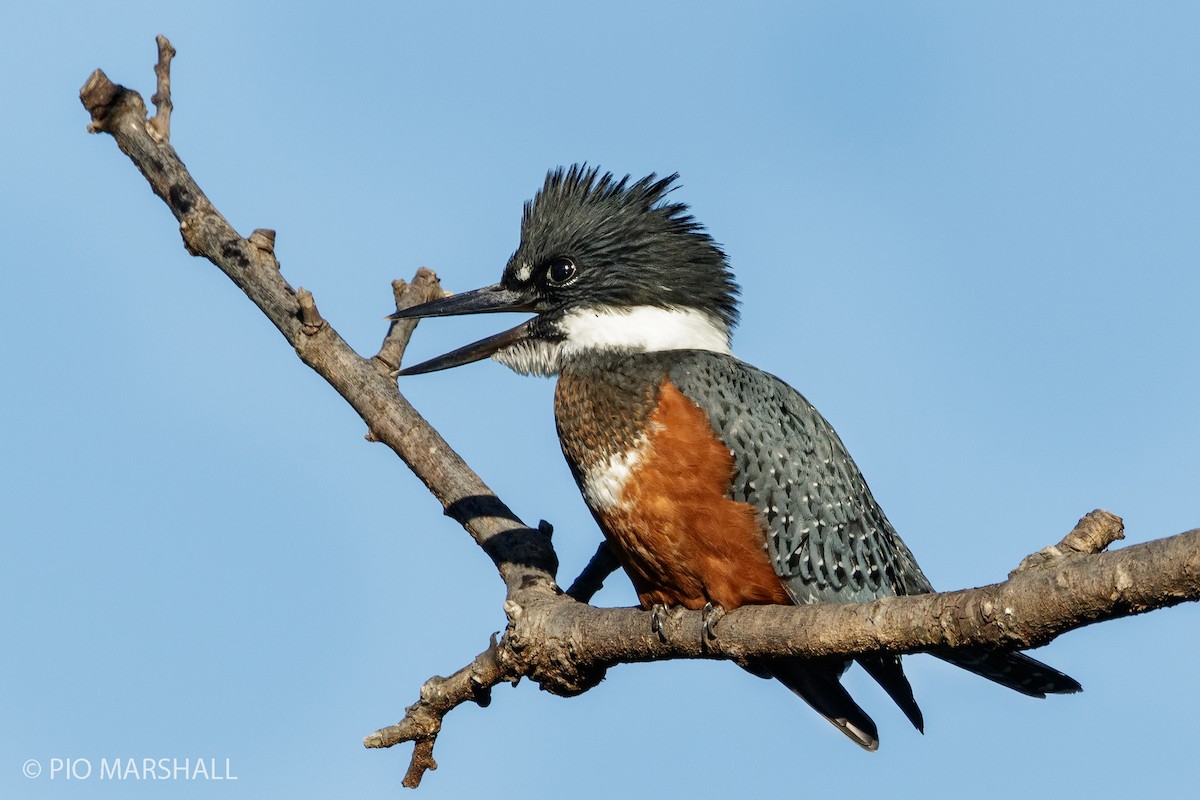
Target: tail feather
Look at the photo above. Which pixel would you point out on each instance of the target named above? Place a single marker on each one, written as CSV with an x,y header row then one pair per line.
x,y
1015,671
816,682
888,673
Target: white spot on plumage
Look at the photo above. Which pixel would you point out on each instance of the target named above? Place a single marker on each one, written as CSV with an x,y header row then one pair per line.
x,y
604,483
524,272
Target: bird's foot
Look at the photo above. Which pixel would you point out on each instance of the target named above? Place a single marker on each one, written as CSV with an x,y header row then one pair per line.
x,y
658,618
712,615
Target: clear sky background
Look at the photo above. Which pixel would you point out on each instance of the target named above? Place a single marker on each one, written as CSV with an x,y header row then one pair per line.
x,y
967,232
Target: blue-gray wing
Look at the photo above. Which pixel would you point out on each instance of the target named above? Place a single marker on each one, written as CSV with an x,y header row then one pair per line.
x,y
826,535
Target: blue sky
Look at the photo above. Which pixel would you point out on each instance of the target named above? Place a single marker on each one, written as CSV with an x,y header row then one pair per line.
x,y
967,232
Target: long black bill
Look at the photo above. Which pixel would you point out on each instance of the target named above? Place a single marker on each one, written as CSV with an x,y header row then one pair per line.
x,y
473,352
488,300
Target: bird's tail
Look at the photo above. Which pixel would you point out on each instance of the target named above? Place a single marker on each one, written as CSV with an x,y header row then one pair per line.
x,y
888,673
816,682
1016,671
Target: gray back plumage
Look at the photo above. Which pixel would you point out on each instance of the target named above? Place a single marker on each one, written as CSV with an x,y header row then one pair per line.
x,y
826,535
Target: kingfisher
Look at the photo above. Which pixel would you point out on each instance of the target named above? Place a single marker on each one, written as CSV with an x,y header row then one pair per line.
x,y
716,484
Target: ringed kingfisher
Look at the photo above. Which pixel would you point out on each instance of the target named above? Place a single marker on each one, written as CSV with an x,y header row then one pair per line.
x,y
716,485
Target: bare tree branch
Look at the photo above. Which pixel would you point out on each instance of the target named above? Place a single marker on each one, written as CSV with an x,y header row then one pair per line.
x,y
522,556
552,638
425,286
423,720
160,123
576,644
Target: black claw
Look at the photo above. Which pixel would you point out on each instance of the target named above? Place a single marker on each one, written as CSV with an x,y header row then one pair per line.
x,y
658,616
712,615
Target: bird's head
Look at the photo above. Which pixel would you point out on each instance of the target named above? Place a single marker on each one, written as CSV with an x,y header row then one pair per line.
x,y
607,265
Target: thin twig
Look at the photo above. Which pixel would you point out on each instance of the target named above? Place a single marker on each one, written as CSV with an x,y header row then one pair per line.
x,y
423,720
310,317
425,286
1094,532
160,123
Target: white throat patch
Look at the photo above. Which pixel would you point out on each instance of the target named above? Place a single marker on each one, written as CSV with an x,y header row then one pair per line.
x,y
642,329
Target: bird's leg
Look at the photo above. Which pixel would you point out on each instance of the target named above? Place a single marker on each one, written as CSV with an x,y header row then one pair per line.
x,y
712,615
658,617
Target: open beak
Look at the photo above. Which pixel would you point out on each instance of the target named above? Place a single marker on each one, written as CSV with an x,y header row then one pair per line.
x,y
488,300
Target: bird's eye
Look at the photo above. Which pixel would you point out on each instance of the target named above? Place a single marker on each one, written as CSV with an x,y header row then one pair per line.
x,y
561,270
